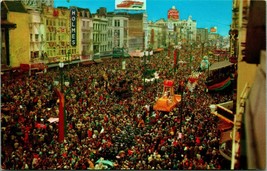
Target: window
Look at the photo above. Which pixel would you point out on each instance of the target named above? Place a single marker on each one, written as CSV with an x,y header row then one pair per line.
x,y
125,23
36,37
117,23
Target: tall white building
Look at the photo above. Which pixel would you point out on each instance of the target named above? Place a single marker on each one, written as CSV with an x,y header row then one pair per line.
x,y
119,31
100,31
86,33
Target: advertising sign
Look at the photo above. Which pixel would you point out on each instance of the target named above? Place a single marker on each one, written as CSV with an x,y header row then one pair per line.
x,y
213,29
73,26
130,4
173,14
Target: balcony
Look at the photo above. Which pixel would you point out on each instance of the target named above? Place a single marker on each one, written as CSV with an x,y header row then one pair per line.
x,y
86,41
86,29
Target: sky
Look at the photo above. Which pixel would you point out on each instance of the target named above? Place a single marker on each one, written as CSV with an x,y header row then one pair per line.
x,y
207,13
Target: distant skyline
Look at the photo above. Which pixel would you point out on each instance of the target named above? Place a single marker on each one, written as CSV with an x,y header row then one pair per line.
x,y
207,13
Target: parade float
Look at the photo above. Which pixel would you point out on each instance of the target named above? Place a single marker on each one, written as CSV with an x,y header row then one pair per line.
x,y
169,100
192,81
219,77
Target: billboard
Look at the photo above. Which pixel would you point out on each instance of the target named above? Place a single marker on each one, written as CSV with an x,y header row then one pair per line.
x,y
130,4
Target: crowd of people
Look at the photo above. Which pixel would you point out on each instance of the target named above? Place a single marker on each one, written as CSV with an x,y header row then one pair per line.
x,y
102,123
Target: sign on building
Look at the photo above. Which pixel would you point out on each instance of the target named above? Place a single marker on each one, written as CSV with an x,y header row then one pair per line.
x,y
213,29
173,14
73,26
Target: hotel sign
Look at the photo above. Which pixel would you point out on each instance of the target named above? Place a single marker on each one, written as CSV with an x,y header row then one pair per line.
x,y
73,26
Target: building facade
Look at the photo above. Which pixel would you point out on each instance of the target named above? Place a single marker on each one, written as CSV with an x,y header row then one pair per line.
x,y
100,31
136,32
86,33
156,33
58,35
119,30
19,44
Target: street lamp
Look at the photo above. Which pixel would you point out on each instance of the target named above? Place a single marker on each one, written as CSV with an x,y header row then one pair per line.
x,y
61,65
68,57
156,77
190,60
146,53
62,108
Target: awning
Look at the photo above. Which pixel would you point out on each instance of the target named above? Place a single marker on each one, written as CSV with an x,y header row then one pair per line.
x,y
218,65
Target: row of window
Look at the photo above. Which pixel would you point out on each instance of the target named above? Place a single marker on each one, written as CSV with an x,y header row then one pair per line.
x,y
59,52
86,24
117,23
99,37
58,22
97,26
36,37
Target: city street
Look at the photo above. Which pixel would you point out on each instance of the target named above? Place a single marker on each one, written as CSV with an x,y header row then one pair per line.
x,y
101,122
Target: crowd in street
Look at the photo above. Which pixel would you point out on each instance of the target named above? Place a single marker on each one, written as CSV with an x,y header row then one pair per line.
x,y
101,123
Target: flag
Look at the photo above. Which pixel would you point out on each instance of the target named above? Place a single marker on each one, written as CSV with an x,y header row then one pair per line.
x,y
175,58
61,123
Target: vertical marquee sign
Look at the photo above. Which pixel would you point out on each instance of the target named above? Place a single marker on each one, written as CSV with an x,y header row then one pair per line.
x,y
73,24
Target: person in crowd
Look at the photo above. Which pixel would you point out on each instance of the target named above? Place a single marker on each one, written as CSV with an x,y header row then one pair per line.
x,y
103,123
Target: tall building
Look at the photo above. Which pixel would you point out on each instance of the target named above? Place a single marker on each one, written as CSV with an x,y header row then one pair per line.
x,y
202,35
6,27
86,33
37,35
119,29
58,35
136,32
156,35
100,31
16,45
248,53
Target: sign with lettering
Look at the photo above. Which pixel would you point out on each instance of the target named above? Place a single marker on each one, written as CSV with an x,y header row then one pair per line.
x,y
173,14
73,26
135,5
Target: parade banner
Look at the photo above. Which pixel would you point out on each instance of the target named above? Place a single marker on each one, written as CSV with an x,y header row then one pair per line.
x,y
61,116
220,86
174,58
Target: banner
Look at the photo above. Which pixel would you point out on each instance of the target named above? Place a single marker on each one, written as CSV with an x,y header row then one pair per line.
x,y
61,116
174,58
220,86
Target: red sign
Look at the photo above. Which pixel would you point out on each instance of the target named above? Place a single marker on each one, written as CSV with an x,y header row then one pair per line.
x,y
173,14
213,29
